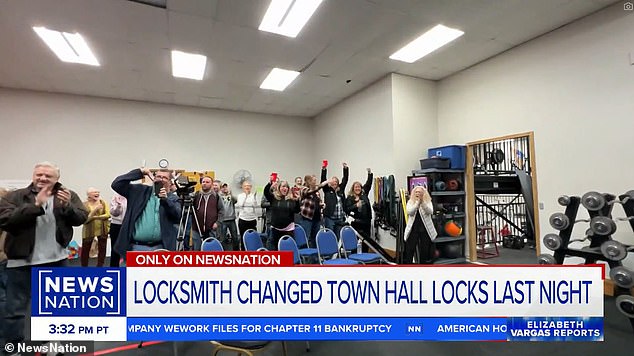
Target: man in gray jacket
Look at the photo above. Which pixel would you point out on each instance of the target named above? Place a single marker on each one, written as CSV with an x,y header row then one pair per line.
x,y
227,218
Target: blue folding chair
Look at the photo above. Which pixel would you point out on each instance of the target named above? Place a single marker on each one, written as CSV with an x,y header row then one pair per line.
x,y
305,251
349,240
211,244
328,249
287,243
252,241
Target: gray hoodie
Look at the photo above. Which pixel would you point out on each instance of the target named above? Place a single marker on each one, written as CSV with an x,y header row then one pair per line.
x,y
227,207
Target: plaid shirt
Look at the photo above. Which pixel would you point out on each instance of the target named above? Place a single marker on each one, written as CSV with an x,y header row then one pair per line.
x,y
309,203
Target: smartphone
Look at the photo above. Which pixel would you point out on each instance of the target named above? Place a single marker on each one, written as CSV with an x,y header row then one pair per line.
x,y
56,187
157,188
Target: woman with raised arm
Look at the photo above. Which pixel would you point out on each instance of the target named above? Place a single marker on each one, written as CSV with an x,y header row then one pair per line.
x,y
283,209
334,198
310,207
359,208
420,231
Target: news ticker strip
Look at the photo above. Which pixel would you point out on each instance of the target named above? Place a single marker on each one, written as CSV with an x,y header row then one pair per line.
x,y
386,329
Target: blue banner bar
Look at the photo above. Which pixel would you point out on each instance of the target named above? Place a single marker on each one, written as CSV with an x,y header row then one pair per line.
x,y
555,329
438,329
71,291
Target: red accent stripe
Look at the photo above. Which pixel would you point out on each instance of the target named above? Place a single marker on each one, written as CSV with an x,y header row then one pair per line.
x,y
122,348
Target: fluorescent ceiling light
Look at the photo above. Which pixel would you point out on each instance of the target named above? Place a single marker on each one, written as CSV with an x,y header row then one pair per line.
x,y
279,79
288,17
68,47
188,65
426,43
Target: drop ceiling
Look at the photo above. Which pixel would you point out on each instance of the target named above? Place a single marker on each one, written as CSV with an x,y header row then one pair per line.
x,y
343,48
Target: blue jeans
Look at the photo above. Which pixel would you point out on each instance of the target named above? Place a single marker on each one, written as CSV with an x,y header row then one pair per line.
x,y
142,248
198,240
231,226
334,225
18,299
312,228
3,296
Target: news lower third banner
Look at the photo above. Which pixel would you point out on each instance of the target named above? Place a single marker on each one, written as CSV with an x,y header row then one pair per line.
x,y
199,296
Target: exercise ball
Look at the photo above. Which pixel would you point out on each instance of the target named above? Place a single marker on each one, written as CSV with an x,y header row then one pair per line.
x,y
453,229
453,184
451,250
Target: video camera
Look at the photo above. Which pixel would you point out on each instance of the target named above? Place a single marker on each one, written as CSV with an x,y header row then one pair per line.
x,y
184,187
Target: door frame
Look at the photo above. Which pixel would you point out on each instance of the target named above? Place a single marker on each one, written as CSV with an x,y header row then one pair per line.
x,y
470,207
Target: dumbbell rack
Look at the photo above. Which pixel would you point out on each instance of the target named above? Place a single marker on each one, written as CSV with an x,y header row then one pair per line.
x,y
593,253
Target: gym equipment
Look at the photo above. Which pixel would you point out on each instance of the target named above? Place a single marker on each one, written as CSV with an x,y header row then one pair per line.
x,y
545,259
602,226
625,304
559,221
563,200
614,250
453,229
450,250
602,246
496,156
622,276
552,242
453,184
440,186
593,201
513,241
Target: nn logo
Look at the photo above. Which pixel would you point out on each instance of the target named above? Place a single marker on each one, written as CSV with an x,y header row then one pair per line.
x,y
78,292
414,329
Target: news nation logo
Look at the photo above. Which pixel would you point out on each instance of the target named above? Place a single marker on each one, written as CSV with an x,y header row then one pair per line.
x,y
78,292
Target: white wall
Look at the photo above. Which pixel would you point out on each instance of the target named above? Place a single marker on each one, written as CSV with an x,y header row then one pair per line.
x,y
415,125
93,140
358,131
573,88
388,127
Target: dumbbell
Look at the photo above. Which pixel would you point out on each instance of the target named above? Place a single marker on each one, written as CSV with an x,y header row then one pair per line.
x,y
593,201
614,250
545,259
559,221
440,185
552,241
622,276
625,304
602,226
563,200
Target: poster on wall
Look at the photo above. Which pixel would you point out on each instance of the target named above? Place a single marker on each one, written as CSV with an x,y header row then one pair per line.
x,y
12,184
415,182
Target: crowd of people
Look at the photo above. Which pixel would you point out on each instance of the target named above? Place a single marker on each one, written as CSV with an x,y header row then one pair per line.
x,y
36,222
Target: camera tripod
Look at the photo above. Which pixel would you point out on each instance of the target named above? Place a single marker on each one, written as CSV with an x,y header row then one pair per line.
x,y
186,211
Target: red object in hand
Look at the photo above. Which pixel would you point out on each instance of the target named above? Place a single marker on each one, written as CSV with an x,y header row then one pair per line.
x,y
324,163
273,177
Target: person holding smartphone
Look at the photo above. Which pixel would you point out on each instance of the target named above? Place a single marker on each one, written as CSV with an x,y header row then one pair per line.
x,y
152,212
39,222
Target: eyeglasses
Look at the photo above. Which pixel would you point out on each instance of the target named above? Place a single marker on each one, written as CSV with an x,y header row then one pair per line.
x,y
161,178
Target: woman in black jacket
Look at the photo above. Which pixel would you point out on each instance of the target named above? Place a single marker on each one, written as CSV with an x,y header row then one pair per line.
x,y
359,208
283,209
335,199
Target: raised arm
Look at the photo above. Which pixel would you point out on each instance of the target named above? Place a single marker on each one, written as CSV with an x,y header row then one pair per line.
x,y
344,180
368,183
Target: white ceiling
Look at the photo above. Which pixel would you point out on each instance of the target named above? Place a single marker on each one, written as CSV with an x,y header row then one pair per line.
x,y
344,40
